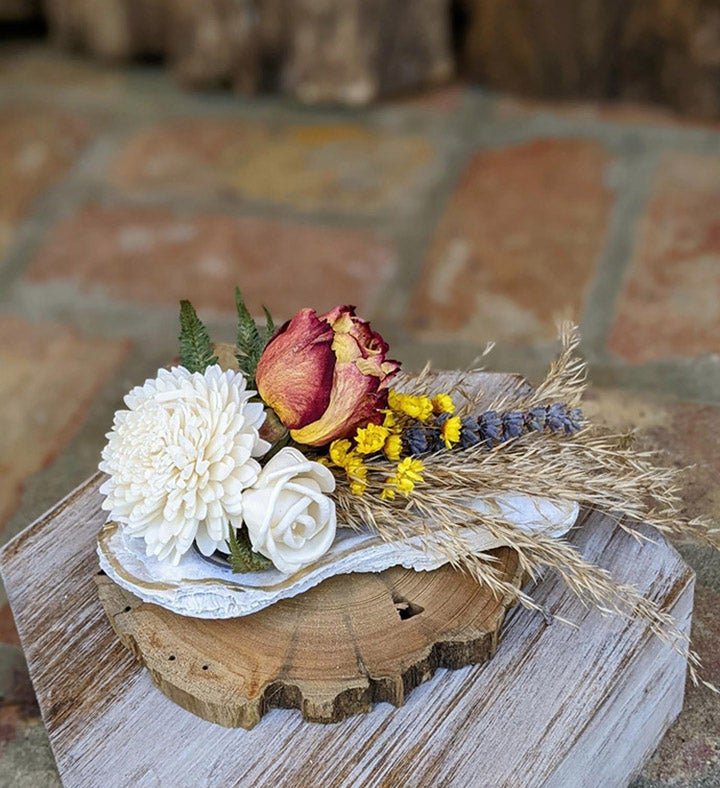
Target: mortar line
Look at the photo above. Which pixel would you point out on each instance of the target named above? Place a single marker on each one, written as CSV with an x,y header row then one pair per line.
x,y
633,190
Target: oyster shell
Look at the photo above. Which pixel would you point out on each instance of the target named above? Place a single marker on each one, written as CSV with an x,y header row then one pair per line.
x,y
200,589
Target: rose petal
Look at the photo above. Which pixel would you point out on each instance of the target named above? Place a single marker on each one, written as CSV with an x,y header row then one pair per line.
x,y
295,372
355,401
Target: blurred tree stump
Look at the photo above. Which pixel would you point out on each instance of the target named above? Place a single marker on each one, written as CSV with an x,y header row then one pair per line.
x,y
665,51
358,50
318,51
19,10
112,30
355,51
557,48
671,54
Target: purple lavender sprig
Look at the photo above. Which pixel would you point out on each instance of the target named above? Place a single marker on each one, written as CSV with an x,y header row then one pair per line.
x,y
492,428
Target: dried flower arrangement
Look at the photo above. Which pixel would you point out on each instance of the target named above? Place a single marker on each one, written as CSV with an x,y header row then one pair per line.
x,y
313,427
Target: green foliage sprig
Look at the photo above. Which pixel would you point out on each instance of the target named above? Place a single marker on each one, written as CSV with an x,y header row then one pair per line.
x,y
242,557
196,355
196,351
251,340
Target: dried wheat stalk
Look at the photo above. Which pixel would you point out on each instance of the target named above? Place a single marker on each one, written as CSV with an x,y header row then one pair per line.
x,y
600,471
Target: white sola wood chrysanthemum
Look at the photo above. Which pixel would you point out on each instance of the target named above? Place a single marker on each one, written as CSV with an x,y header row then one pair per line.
x,y
180,457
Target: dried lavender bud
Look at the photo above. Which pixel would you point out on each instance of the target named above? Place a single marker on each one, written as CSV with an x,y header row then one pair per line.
x,y
575,419
470,423
435,441
556,417
535,419
494,428
513,424
416,440
490,427
469,433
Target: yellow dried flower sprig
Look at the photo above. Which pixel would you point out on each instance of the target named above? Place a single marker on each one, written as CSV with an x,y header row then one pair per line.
x,y
371,439
404,412
450,431
416,407
407,475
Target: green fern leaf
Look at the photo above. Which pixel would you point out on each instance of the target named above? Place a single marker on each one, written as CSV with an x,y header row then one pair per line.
x,y
242,557
248,339
269,326
196,353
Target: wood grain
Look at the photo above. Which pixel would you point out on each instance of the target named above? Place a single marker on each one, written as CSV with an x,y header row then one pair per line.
x,y
332,652
556,706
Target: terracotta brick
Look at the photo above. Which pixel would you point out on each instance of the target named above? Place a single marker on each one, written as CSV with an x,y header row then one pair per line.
x,y
8,632
157,256
691,437
49,377
18,705
37,146
517,243
670,303
334,167
687,434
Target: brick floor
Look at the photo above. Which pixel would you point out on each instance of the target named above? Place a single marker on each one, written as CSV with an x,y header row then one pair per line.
x,y
334,167
670,305
689,754
8,632
18,706
161,256
517,244
686,433
50,376
37,146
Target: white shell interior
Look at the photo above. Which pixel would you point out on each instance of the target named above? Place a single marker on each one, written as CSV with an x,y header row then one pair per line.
x,y
200,589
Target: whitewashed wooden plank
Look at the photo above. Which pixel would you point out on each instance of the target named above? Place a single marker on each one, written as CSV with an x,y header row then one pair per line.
x,y
556,706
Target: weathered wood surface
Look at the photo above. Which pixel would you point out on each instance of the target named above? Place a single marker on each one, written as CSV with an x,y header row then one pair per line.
x,y
557,705
332,652
355,51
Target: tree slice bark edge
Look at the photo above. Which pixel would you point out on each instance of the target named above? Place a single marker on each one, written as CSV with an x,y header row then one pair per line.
x,y
353,641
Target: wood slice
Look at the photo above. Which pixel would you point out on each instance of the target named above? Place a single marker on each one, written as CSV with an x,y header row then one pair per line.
x,y
335,650
332,652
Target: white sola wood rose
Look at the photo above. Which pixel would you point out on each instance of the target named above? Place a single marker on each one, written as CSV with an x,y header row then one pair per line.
x,y
289,517
180,458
